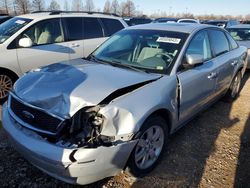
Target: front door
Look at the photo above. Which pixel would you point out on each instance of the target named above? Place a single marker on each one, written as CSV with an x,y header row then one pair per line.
x,y
48,45
196,83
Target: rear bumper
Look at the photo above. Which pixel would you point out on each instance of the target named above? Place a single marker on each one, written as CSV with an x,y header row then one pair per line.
x,y
90,165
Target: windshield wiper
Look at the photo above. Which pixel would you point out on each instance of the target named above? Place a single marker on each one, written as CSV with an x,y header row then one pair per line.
x,y
119,64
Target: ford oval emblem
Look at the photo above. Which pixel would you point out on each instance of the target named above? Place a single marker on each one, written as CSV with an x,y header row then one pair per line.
x,y
28,115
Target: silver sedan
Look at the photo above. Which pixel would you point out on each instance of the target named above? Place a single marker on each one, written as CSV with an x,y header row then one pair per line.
x,y
87,119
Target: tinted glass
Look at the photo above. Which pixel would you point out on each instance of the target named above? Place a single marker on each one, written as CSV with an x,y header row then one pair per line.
x,y
45,32
111,26
240,34
150,50
92,28
200,46
10,27
219,42
232,42
75,28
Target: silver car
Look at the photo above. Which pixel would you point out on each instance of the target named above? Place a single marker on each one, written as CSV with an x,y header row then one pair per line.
x,y
241,33
86,119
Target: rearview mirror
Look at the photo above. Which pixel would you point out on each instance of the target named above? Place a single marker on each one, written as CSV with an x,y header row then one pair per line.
x,y
194,59
25,42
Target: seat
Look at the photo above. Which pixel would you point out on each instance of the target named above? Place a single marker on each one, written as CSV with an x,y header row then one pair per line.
x,y
148,52
46,36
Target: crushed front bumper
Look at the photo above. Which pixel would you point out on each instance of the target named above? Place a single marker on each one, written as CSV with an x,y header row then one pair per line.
x,y
88,166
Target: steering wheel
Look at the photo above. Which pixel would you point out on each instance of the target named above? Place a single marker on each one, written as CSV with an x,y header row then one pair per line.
x,y
168,56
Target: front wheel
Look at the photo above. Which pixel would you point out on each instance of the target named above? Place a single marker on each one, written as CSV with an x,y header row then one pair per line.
x,y
149,148
6,84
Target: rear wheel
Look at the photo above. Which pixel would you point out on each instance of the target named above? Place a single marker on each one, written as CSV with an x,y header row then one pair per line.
x,y
149,148
234,89
6,84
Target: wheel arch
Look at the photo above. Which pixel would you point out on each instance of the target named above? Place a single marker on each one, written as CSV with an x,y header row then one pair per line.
x,y
9,72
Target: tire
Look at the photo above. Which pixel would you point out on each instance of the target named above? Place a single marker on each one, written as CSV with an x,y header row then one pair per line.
x,y
7,81
234,89
148,149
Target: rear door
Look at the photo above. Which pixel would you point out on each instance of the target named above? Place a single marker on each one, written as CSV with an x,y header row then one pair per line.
x,y
196,83
48,45
74,30
225,59
93,35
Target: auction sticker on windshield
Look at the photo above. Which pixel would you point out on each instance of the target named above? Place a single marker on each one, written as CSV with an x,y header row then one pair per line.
x,y
20,21
169,40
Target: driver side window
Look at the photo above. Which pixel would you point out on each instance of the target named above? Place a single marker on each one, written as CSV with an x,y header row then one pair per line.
x,y
45,32
200,45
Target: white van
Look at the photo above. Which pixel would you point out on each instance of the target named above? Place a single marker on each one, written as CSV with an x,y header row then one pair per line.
x,y
42,38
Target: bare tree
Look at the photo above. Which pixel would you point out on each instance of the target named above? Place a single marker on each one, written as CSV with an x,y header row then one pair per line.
x,y
22,6
5,5
54,6
115,7
77,5
107,7
128,8
66,5
89,5
38,5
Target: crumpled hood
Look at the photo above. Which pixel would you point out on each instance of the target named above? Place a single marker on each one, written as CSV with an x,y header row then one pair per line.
x,y
65,88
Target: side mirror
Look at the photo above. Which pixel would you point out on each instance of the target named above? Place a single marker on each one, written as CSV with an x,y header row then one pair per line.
x,y
194,59
25,42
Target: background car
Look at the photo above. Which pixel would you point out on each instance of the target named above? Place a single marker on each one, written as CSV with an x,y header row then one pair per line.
x,y
86,119
241,33
165,20
136,20
41,38
188,21
222,23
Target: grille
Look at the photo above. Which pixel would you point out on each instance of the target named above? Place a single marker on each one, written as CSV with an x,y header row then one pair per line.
x,y
34,117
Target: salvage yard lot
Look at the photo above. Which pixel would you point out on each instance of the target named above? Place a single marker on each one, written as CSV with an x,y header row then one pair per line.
x,y
213,150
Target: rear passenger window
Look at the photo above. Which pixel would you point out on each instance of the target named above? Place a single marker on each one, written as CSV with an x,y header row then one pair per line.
x,y
232,42
75,28
111,26
219,42
92,28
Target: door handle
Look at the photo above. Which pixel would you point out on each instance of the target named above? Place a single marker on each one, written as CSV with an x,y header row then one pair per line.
x,y
212,75
234,63
74,45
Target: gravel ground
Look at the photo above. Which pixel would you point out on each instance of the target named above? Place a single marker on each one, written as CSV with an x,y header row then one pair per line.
x,y
213,150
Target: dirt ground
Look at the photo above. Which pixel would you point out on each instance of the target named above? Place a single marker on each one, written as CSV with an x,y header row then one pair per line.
x,y
213,150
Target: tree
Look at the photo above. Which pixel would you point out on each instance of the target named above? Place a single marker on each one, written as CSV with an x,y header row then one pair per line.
x,y
22,6
5,5
89,5
77,5
54,6
107,7
66,5
115,7
128,8
38,5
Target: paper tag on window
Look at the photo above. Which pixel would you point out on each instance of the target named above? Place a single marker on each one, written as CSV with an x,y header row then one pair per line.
x,y
169,40
20,22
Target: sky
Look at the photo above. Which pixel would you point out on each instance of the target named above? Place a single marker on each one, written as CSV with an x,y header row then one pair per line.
x,y
218,7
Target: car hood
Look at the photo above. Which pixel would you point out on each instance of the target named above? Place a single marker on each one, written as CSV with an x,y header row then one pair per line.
x,y
244,43
64,88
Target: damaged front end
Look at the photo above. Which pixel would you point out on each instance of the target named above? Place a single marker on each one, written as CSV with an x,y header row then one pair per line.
x,y
84,130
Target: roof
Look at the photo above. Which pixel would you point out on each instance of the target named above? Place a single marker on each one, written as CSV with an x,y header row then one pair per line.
x,y
243,26
177,27
41,15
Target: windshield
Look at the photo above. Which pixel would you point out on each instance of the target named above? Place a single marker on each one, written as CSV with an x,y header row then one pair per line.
x,y
148,50
240,34
10,27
